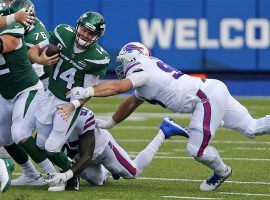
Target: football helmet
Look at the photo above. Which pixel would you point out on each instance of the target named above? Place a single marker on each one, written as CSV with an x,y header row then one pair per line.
x,y
95,23
17,5
130,53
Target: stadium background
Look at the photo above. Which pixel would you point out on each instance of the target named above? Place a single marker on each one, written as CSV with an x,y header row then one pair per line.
x,y
226,39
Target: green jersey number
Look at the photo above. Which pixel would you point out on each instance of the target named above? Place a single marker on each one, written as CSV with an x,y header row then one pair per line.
x,y
2,62
40,34
67,75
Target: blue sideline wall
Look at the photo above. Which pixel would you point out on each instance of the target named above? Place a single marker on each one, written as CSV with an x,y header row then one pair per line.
x,y
192,35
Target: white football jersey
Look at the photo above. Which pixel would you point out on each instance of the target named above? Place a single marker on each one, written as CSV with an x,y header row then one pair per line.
x,y
167,86
86,122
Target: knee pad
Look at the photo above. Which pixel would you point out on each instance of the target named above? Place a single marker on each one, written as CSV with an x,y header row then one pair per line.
x,y
209,154
40,142
16,133
55,143
250,129
192,150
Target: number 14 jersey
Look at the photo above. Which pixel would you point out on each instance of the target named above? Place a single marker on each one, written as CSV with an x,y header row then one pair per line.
x,y
71,68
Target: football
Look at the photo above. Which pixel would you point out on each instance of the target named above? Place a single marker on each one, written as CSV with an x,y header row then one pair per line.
x,y
52,50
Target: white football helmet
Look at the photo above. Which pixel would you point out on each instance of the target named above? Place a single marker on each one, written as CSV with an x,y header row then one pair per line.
x,y
130,53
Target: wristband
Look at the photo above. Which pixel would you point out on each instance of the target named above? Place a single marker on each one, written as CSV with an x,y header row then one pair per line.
x,y
69,174
76,103
10,19
112,122
90,92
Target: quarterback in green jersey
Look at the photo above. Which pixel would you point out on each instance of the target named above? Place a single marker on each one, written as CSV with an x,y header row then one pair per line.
x,y
81,61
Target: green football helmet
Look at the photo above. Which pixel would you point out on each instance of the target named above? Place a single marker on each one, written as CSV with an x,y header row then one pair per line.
x,y
95,23
17,5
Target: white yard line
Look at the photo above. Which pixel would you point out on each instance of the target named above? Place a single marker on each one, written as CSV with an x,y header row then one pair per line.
x,y
186,180
190,158
184,141
195,180
178,197
246,194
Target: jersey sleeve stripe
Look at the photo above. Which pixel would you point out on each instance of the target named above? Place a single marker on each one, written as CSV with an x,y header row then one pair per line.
x,y
17,30
59,37
104,61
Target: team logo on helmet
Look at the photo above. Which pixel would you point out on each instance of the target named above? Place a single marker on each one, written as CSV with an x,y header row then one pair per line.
x,y
131,47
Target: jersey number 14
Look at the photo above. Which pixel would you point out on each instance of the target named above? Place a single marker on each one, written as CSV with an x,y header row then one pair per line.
x,y
67,75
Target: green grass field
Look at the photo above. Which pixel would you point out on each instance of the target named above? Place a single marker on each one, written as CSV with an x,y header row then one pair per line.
x,y
172,174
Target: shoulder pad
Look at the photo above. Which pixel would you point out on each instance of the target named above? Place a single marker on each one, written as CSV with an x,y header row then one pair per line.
x,y
63,28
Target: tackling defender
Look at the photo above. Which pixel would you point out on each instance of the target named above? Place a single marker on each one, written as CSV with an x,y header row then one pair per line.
x,y
103,151
208,100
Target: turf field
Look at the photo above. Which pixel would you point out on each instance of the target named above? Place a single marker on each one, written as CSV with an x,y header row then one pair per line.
x,y
172,174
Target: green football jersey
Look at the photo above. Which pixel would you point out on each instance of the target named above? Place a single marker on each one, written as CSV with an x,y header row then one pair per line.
x,y
16,73
35,35
72,67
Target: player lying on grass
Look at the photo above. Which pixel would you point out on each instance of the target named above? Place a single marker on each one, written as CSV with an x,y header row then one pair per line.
x,y
208,100
87,140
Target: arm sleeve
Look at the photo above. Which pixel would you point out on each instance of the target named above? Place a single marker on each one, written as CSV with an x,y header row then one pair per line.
x,y
139,78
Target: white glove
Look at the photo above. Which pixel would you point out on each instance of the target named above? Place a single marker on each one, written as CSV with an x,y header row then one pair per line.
x,y
38,69
60,178
80,93
105,124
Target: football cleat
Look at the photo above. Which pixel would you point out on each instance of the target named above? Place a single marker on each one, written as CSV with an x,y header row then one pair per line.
x,y
56,188
29,180
170,128
6,169
215,181
73,184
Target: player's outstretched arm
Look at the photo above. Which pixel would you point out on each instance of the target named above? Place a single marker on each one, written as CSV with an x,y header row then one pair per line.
x,y
126,108
108,88
123,111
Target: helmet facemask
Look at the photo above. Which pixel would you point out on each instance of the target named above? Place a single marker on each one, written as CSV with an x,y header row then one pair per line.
x,y
94,24
86,43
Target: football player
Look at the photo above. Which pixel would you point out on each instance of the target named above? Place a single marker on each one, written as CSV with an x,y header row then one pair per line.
x,y
20,89
98,149
208,100
81,62
33,35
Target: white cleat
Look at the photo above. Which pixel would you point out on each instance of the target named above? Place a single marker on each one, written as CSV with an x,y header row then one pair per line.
x,y
29,180
4,176
215,181
56,188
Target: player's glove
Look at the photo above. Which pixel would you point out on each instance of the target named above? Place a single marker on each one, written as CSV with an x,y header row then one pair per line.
x,y
60,178
105,124
80,93
38,69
